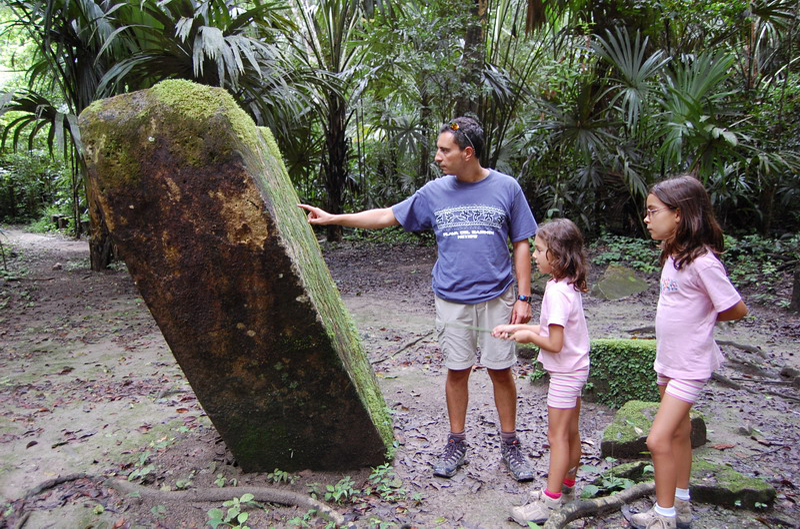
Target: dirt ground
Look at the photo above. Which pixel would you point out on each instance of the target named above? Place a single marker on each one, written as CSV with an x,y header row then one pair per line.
x,y
90,391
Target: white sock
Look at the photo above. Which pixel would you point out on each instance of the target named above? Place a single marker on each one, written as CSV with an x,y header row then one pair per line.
x,y
670,512
682,494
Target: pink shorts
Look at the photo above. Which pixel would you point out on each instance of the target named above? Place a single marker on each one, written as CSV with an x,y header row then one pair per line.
x,y
685,390
566,388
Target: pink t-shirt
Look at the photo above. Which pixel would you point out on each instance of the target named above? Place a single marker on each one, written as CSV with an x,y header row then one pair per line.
x,y
562,305
687,311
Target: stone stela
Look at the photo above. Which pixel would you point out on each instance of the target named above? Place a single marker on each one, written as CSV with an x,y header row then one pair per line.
x,y
200,206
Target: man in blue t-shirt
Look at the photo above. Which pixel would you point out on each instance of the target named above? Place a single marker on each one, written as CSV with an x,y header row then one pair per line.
x,y
473,211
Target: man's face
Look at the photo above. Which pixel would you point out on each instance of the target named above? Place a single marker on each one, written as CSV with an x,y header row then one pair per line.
x,y
449,155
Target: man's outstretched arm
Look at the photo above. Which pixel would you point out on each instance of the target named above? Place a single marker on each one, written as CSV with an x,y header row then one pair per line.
x,y
369,219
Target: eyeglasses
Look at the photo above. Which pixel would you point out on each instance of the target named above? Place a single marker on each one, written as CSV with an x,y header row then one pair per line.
x,y
651,212
455,128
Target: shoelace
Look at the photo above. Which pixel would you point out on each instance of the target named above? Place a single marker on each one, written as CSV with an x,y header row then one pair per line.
x,y
514,454
450,451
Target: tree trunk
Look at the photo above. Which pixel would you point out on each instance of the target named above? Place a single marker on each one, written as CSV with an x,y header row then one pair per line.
x,y
472,60
795,303
767,206
424,171
336,160
100,244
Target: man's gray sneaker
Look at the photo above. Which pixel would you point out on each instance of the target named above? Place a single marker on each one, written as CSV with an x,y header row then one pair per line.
x,y
516,462
454,456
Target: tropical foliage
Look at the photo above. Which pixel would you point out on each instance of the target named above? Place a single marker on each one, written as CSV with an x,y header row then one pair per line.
x,y
586,103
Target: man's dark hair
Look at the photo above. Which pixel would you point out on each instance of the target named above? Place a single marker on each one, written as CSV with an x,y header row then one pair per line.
x,y
467,132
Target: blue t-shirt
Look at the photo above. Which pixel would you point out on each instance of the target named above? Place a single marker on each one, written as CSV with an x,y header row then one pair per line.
x,y
472,223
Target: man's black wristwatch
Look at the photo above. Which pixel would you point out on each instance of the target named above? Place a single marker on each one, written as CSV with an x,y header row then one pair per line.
x,y
523,297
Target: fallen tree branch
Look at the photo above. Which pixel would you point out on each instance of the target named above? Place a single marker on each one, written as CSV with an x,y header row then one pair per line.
x,y
725,381
403,348
583,508
744,347
50,483
264,494
767,452
22,521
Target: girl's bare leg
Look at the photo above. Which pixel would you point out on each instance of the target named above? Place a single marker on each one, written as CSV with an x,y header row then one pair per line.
x,y
560,434
667,445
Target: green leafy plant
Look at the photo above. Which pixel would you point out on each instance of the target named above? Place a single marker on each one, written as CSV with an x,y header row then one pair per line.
x,y
234,516
141,468
304,520
763,263
538,372
159,511
385,483
639,254
185,483
340,492
280,476
610,481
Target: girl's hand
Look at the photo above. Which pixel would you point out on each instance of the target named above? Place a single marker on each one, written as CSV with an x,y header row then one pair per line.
x,y
505,332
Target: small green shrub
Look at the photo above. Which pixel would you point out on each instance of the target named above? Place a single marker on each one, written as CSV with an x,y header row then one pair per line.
x,y
761,262
622,370
234,516
141,467
639,254
386,484
279,476
341,491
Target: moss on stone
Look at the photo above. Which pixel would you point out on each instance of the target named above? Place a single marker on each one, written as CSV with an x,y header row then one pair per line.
x,y
200,103
307,255
631,421
622,370
626,436
726,476
720,484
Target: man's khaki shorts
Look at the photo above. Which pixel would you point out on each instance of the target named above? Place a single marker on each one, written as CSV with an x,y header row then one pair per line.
x,y
459,340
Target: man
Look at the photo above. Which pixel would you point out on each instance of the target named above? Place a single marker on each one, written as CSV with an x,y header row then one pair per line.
x,y
473,212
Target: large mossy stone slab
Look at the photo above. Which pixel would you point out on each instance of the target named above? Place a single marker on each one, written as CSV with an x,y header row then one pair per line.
x,y
626,436
712,483
199,203
618,282
720,484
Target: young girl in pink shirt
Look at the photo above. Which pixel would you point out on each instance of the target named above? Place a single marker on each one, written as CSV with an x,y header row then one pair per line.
x,y
563,339
695,294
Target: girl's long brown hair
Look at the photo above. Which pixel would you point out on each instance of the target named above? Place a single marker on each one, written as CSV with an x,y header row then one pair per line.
x,y
698,229
565,251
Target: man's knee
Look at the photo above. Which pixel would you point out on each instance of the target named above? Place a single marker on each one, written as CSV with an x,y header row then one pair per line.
x,y
501,376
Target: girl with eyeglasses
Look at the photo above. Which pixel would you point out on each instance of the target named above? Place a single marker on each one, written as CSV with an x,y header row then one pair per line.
x,y
695,294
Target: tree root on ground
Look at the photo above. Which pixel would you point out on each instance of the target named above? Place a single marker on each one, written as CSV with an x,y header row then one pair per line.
x,y
583,508
725,381
263,494
50,483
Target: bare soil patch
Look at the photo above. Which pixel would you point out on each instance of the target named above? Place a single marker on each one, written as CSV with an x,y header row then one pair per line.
x,y
90,391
